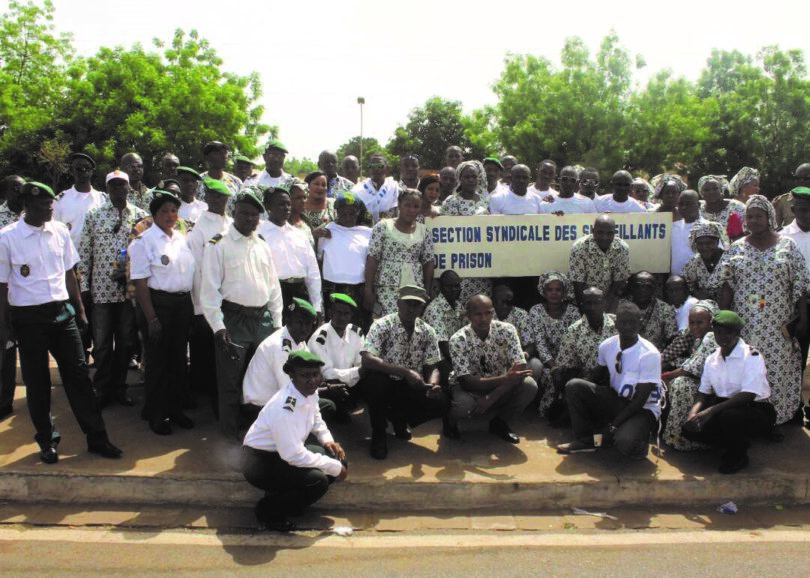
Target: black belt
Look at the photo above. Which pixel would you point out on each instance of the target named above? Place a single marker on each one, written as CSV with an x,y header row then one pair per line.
x,y
170,293
292,280
244,309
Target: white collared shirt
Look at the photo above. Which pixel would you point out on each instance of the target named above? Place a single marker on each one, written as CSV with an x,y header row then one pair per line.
x,y
193,210
208,225
33,261
285,423
801,238
341,355
265,373
238,269
72,207
742,370
165,262
293,257
378,201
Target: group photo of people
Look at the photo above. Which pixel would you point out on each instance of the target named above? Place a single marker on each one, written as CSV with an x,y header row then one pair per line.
x,y
285,303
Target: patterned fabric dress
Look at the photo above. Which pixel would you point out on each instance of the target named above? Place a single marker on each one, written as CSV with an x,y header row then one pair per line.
x,y
767,286
733,207
323,217
400,258
699,278
457,206
547,334
681,396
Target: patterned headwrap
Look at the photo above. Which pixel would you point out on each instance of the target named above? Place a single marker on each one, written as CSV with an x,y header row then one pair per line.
x,y
761,202
742,178
640,181
708,229
481,188
550,276
660,181
347,198
719,179
707,305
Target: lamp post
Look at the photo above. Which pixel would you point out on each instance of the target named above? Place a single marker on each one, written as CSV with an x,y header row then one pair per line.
x,y
361,101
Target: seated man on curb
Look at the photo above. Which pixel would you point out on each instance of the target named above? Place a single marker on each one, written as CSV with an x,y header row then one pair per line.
x,y
401,354
339,343
622,403
490,372
446,316
732,402
265,374
276,460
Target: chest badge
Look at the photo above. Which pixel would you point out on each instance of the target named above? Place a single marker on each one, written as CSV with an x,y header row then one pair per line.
x,y
25,270
164,259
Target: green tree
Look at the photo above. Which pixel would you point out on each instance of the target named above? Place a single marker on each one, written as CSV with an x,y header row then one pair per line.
x,y
299,167
352,147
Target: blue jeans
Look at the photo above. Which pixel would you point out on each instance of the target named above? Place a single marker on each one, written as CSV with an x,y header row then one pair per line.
x,y
113,327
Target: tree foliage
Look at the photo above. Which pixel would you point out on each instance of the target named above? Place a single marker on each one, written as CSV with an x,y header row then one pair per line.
x,y
352,147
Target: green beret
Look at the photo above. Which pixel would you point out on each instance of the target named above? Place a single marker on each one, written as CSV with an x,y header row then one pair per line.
x,y
36,189
274,143
730,319
334,297
802,193
302,359
243,159
250,198
413,293
159,197
494,161
215,186
190,171
302,306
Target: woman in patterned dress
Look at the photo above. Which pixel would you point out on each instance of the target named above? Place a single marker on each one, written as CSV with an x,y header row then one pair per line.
x,y
430,188
548,321
471,199
727,212
709,242
319,210
298,201
400,253
744,184
668,189
765,277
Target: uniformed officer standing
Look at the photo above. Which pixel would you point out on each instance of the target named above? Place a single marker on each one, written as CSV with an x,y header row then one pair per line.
x,y
39,298
241,299
276,460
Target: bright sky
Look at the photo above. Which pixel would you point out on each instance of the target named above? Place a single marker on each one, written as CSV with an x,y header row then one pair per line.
x,y
316,57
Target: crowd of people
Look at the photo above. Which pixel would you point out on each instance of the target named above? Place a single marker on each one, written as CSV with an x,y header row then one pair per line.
x,y
286,302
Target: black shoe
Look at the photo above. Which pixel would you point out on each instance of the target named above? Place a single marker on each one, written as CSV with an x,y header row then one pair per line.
x,y
161,427
133,364
272,522
500,428
450,431
733,464
182,420
402,432
105,449
379,447
122,398
6,411
49,455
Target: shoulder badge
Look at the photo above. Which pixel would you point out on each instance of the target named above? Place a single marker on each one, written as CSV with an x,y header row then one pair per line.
x,y
286,345
321,337
754,352
215,239
289,404
356,329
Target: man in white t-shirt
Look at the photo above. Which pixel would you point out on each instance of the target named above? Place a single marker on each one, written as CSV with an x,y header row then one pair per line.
x,y
619,201
273,174
379,193
546,173
622,405
568,201
518,200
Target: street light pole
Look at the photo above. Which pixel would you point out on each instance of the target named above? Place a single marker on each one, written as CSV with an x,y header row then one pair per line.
x,y
361,101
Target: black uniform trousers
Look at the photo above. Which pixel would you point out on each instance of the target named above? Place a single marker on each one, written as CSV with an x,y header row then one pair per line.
x,y
733,428
51,327
393,399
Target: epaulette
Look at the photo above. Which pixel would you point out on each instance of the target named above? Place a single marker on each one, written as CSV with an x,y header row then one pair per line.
x,y
286,345
289,404
321,337
259,236
754,352
356,329
215,239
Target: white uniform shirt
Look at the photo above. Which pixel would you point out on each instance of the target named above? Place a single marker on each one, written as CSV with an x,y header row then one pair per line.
x,y
208,225
681,248
33,261
572,205
682,312
344,254
341,355
293,256
283,426
265,373
801,238
640,363
377,200
165,262
509,203
606,204
193,210
238,269
72,207
742,370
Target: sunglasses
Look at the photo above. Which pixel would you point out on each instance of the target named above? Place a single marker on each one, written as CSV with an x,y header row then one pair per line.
x,y
568,179
376,165
619,362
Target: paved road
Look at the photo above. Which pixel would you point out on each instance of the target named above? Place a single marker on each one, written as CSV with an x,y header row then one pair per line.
x,y
87,551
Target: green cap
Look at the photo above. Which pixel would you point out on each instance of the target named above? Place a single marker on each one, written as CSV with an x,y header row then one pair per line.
x,y
189,171
494,161
730,319
249,197
412,292
274,143
36,189
802,193
334,297
243,159
302,305
215,186
302,359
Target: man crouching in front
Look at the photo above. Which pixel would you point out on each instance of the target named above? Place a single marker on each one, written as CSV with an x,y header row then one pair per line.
x,y
291,474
